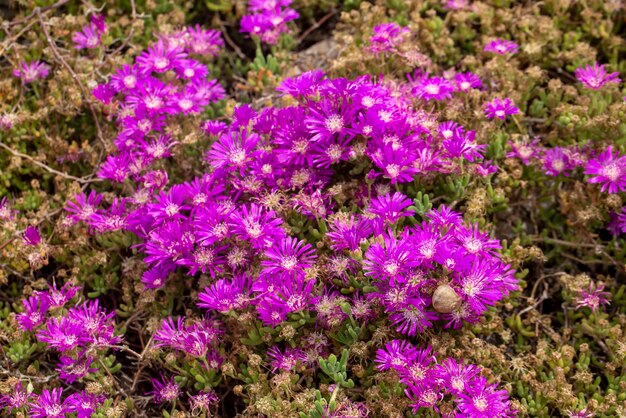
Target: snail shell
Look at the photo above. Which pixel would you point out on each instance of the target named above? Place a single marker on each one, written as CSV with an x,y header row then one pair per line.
x,y
445,299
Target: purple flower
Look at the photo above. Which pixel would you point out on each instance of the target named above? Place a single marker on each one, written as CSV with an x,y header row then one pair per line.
x,y
286,360
386,36
88,38
269,20
444,217
6,213
171,333
165,390
592,298
35,309
609,169
475,242
224,295
98,325
31,71
31,236
104,93
500,108
7,120
261,228
330,118
456,4
524,150
456,376
203,41
389,209
84,404
71,369
288,258
480,400
556,161
233,151
397,355
595,76
435,88
63,334
390,260
59,297
348,232
49,405
467,81
304,84
203,401
502,47
413,317
16,399
84,207
479,286
160,58
617,225
126,78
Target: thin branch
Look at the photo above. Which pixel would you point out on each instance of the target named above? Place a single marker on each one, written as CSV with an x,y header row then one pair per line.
x,y
37,10
230,42
57,55
316,25
82,180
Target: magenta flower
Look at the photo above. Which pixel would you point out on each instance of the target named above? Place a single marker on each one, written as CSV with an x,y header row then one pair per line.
x,y
286,360
7,120
456,376
592,298
481,400
348,232
390,260
203,41
6,212
595,76
386,37
84,404
165,390
160,58
89,38
304,84
31,71
71,369
500,108
224,295
524,150
84,207
435,88
261,228
35,309
203,401
556,161
288,258
49,405
608,169
389,209
397,355
475,242
16,399
63,334
456,4
467,81
31,236
501,47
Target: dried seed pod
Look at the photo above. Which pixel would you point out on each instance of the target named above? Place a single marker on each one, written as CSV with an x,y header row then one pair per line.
x,y
445,299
